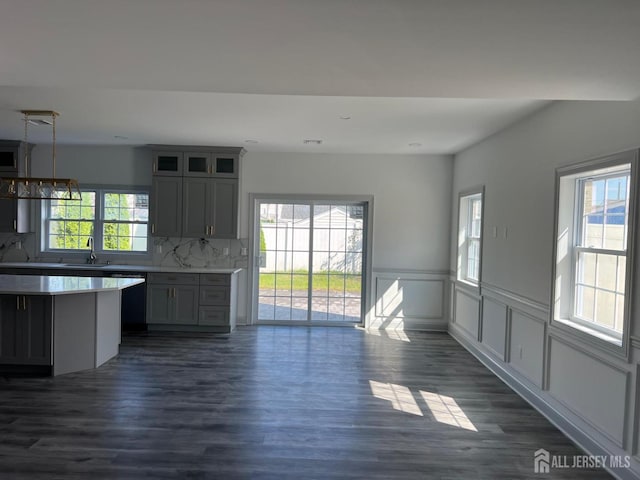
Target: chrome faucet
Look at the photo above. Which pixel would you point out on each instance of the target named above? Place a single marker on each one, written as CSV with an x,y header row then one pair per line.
x,y
92,254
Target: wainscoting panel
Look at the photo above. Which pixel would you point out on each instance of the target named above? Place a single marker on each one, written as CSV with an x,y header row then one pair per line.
x,y
411,300
585,384
467,311
527,345
593,397
494,326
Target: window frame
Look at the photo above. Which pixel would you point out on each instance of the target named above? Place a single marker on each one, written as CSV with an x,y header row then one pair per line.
x,y
98,225
466,199
589,331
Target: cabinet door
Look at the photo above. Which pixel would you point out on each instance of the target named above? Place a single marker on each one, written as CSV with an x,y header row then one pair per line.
x,y
224,208
25,330
168,164
8,215
10,332
166,206
195,214
225,165
186,305
9,160
36,321
197,164
159,304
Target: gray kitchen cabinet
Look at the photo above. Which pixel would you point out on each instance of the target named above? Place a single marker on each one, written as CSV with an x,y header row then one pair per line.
x,y
172,304
224,208
166,206
195,191
196,213
25,330
197,164
212,164
159,304
185,299
168,163
210,208
14,214
172,298
196,301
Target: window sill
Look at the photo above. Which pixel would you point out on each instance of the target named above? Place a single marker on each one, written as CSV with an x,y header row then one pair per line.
x,y
611,339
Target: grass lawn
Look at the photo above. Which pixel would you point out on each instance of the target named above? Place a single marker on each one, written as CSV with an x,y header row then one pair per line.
x,y
299,280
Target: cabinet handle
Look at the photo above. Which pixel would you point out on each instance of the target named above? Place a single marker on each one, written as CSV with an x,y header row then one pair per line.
x,y
153,228
17,302
155,167
174,292
24,302
213,230
15,224
210,170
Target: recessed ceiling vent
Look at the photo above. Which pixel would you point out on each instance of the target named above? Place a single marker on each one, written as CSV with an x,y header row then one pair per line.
x,y
312,142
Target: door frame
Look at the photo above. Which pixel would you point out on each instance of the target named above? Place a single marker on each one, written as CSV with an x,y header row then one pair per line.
x,y
367,251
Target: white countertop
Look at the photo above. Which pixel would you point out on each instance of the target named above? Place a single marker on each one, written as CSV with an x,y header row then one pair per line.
x,y
118,268
54,285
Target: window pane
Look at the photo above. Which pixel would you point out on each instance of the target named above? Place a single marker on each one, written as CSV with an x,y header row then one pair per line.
x,y
619,312
127,237
586,268
70,234
605,305
126,206
622,268
606,276
585,297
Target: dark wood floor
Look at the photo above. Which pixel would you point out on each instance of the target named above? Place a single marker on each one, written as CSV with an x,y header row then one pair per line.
x,y
276,402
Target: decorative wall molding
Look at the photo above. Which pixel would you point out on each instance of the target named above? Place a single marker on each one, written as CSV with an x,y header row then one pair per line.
x,y
573,426
409,300
510,297
609,433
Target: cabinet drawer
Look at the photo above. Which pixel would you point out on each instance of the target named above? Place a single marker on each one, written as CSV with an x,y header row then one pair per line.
x,y
214,295
174,278
215,279
214,316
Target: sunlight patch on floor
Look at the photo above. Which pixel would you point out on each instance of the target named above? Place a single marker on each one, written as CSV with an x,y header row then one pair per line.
x,y
400,397
392,334
446,410
443,409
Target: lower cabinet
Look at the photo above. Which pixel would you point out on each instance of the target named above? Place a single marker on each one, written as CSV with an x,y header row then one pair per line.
x,y
168,304
191,300
25,330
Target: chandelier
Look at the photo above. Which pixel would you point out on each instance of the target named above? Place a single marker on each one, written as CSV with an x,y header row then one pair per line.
x,y
39,188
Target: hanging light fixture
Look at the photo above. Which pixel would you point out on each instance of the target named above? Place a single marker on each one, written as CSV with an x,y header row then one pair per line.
x,y
37,188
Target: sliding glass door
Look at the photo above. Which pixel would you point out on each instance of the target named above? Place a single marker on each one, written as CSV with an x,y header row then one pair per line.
x,y
310,257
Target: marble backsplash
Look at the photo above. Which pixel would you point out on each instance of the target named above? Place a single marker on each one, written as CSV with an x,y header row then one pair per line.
x,y
165,251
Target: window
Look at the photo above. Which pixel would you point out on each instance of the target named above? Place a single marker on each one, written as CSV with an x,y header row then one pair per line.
x,y
117,220
470,237
591,259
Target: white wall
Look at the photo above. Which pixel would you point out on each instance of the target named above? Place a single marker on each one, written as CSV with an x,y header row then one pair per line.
x,y
517,167
586,390
411,211
103,165
411,198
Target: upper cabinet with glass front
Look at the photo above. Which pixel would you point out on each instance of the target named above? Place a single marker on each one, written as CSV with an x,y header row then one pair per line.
x,y
168,163
212,164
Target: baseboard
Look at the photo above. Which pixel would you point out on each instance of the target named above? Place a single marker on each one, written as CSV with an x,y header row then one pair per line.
x,y
545,404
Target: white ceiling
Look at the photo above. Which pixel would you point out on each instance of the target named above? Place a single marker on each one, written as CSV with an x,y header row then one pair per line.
x,y
442,73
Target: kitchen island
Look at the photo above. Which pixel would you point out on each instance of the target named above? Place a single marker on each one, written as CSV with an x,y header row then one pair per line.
x,y
59,324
